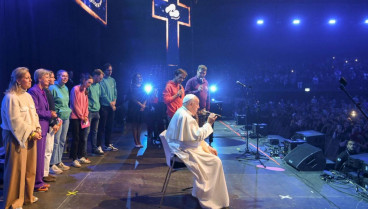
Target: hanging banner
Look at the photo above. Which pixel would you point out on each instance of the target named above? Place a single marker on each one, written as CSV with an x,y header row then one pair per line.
x,y
96,8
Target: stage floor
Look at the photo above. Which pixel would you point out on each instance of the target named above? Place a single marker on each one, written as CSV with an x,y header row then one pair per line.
x,y
133,178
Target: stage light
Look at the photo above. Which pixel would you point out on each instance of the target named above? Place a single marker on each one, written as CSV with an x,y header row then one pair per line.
x,y
332,21
260,22
292,70
212,100
366,21
148,88
346,61
333,58
296,21
307,89
353,114
356,60
213,88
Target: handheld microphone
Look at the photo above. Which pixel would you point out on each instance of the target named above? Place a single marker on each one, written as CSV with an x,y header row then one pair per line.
x,y
208,112
241,84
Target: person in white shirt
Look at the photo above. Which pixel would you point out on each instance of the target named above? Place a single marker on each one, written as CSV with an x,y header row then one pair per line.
x,y
186,140
21,130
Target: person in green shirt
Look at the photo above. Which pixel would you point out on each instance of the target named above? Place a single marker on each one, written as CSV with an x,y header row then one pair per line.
x,y
94,94
61,97
108,108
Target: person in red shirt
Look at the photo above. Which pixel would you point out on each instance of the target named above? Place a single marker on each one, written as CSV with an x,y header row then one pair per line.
x,y
174,93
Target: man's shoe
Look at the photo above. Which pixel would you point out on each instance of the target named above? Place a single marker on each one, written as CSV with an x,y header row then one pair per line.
x,y
84,160
76,164
49,179
110,148
63,167
55,170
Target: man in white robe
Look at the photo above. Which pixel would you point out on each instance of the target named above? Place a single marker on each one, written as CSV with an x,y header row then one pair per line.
x,y
186,140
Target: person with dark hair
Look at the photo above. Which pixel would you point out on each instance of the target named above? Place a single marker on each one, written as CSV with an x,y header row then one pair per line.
x,y
108,98
351,149
61,98
79,120
136,107
94,94
20,129
174,93
54,126
42,78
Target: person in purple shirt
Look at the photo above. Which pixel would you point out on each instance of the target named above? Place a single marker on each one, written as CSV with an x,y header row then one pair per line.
x,y
41,76
198,85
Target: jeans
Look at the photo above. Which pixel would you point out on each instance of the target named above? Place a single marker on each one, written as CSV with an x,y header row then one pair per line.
x,y
59,143
94,118
105,125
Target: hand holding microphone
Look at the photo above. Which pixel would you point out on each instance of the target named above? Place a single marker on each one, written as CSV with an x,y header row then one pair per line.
x,y
180,93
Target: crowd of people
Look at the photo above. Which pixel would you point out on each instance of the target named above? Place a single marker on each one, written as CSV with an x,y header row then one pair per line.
x,y
35,124
36,120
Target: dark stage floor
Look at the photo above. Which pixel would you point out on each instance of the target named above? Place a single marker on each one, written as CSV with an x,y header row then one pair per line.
x,y
132,178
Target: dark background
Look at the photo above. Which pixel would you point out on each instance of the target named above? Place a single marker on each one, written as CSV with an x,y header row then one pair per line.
x,y
56,34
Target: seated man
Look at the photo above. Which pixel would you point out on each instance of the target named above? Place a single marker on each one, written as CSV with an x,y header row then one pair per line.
x,y
344,156
186,140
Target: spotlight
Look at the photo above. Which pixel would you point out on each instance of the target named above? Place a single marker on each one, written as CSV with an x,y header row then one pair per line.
x,y
332,21
148,88
213,88
346,61
296,22
307,89
260,22
333,58
292,70
366,21
353,114
356,60
212,100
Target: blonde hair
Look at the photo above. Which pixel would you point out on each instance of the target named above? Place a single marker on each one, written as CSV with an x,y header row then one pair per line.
x,y
17,73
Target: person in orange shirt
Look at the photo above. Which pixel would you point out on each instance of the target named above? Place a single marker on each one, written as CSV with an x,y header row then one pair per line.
x,y
174,93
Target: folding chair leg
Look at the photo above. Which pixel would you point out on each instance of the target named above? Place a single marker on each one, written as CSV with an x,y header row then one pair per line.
x,y
167,174
167,183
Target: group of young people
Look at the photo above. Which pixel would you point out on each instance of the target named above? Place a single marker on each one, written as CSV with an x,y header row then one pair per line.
x,y
36,120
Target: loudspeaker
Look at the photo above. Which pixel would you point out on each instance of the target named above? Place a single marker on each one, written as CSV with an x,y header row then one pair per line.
x,y
241,119
306,157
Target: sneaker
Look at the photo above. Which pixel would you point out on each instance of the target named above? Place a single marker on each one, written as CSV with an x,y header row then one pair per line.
x,y
99,151
63,167
55,170
84,160
110,148
76,164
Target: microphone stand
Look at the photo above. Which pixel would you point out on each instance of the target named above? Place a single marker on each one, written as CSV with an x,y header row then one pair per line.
x,y
247,154
343,83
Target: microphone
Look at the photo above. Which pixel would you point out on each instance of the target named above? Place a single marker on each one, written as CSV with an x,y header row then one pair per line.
x,y
208,112
242,84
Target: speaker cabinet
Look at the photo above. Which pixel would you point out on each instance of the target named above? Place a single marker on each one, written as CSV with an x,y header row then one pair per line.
x,y
306,157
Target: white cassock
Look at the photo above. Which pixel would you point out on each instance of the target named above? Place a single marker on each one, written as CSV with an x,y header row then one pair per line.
x,y
184,137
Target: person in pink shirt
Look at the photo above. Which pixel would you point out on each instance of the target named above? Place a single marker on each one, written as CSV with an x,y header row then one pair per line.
x,y
79,120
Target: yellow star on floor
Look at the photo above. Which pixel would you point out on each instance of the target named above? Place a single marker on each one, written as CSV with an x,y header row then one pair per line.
x,y
72,193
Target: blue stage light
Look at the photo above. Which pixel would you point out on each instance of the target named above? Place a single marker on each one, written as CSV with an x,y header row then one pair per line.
x,y
332,21
213,88
260,22
148,88
366,21
296,21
